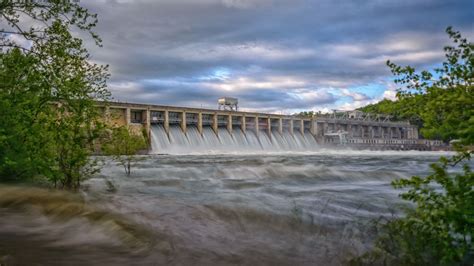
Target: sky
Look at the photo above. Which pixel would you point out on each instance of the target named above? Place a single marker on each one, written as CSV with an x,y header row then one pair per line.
x,y
274,56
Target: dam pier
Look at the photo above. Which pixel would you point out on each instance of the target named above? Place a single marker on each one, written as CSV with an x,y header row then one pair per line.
x,y
185,128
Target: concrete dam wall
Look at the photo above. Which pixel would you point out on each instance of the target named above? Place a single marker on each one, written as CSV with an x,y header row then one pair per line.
x,y
186,130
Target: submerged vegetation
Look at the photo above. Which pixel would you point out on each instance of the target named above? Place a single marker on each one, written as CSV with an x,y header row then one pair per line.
x,y
440,228
123,146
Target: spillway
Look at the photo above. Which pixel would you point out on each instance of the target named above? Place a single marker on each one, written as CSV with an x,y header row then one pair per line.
x,y
192,141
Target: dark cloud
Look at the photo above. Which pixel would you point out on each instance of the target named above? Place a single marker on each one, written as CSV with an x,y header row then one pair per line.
x,y
272,54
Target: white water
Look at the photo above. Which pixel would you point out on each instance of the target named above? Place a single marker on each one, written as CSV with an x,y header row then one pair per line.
x,y
296,208
178,142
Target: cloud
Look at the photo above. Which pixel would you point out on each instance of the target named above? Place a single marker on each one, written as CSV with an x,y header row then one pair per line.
x,y
245,3
391,92
273,55
355,96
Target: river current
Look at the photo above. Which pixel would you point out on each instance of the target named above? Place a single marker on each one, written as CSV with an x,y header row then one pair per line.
x,y
235,209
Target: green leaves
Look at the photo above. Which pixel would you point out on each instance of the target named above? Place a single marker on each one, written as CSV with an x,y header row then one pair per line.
x,y
441,101
123,145
37,18
439,229
48,90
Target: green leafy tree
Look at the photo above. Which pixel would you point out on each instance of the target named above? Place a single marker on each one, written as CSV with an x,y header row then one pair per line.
x,y
48,91
398,110
439,230
306,114
440,101
123,146
24,141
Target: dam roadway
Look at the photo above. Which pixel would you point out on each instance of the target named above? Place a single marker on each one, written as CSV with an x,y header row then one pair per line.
x,y
352,129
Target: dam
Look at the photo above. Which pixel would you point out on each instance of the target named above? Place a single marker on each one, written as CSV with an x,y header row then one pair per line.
x,y
173,129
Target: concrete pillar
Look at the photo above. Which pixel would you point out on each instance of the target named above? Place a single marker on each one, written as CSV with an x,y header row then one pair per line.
x,y
312,128
148,123
199,125
166,123
242,122
128,116
215,124
280,125
291,126
229,124
390,133
371,132
256,125
302,127
183,121
269,128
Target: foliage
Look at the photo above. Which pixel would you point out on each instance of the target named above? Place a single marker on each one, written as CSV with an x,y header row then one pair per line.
x,y
442,100
398,110
123,147
439,230
37,18
22,133
440,227
308,113
48,91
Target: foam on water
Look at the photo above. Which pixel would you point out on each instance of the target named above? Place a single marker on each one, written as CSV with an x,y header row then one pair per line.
x,y
296,208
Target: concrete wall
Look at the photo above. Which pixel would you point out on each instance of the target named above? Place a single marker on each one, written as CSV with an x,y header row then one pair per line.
x,y
346,131
122,114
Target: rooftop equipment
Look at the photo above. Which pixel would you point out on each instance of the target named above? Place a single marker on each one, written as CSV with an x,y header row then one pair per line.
x,y
228,103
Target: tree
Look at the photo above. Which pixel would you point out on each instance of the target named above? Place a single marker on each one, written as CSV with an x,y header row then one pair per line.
x,y
49,88
32,20
123,147
24,141
441,101
306,114
398,110
440,228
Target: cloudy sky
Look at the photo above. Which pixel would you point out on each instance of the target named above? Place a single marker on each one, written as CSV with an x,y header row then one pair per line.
x,y
274,55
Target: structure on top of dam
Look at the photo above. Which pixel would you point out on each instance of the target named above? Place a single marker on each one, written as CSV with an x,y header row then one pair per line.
x,y
184,129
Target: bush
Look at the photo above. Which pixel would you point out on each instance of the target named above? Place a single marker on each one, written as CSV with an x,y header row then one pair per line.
x,y
123,146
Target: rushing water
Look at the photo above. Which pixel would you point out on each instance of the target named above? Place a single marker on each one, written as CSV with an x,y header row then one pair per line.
x,y
247,209
178,142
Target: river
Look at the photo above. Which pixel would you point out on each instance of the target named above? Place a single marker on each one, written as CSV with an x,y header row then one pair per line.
x,y
236,209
